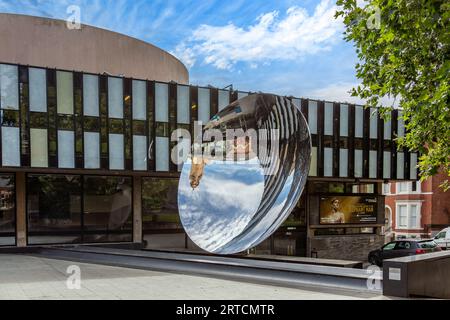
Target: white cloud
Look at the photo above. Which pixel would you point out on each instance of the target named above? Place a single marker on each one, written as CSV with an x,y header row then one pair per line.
x,y
272,37
340,92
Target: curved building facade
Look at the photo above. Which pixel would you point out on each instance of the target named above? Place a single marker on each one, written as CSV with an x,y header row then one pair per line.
x,y
50,43
86,118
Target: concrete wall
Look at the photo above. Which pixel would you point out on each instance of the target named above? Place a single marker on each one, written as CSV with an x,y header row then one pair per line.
x,y
49,43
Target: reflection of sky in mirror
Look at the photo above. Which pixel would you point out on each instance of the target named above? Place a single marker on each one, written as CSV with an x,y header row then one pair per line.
x,y
224,203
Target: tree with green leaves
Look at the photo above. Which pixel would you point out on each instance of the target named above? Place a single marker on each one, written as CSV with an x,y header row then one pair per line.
x,y
403,51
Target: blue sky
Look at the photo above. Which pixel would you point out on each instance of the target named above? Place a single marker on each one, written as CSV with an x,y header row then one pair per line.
x,y
286,47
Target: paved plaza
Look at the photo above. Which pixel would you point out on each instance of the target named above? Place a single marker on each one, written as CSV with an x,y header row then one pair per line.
x,y
27,277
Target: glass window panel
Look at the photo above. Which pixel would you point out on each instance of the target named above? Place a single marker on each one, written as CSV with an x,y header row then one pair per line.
x,y
7,210
115,98
328,162
344,120
312,116
91,150
108,215
373,164
116,152
161,222
403,187
139,100
297,103
358,163
64,89
9,87
39,148
387,130
162,102
400,165
183,114
204,102
373,123
243,95
386,165
328,129
90,95
413,164
54,209
224,99
359,121
38,90
343,163
401,125
413,216
162,154
403,216
140,153
313,169
66,149
10,147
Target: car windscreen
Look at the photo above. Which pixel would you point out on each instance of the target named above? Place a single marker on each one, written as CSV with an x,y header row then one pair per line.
x,y
427,244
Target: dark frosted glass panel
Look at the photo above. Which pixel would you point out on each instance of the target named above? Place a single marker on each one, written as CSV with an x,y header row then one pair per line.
x,y
224,99
10,147
343,163
373,164
54,209
39,148
373,123
358,163
139,100
91,150
66,149
386,165
328,128
162,154
116,152
344,120
7,210
328,162
204,105
140,153
313,168
9,87
312,116
400,165
387,130
183,113
359,121
38,89
115,98
401,125
107,209
90,95
162,102
64,89
413,166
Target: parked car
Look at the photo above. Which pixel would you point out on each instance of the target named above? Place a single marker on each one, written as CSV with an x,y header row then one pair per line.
x,y
443,239
402,248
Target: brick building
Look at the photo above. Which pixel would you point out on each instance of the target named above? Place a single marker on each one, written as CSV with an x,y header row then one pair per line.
x,y
415,209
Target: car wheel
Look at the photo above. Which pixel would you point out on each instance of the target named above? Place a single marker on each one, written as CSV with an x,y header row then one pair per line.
x,y
373,260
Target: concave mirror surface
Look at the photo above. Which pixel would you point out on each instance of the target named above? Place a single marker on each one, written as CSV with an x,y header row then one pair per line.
x,y
245,176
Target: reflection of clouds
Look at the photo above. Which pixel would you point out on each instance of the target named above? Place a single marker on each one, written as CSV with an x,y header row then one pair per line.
x,y
224,203
237,205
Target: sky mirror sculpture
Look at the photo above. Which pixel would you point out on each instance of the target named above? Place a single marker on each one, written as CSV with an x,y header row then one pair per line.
x,y
245,175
